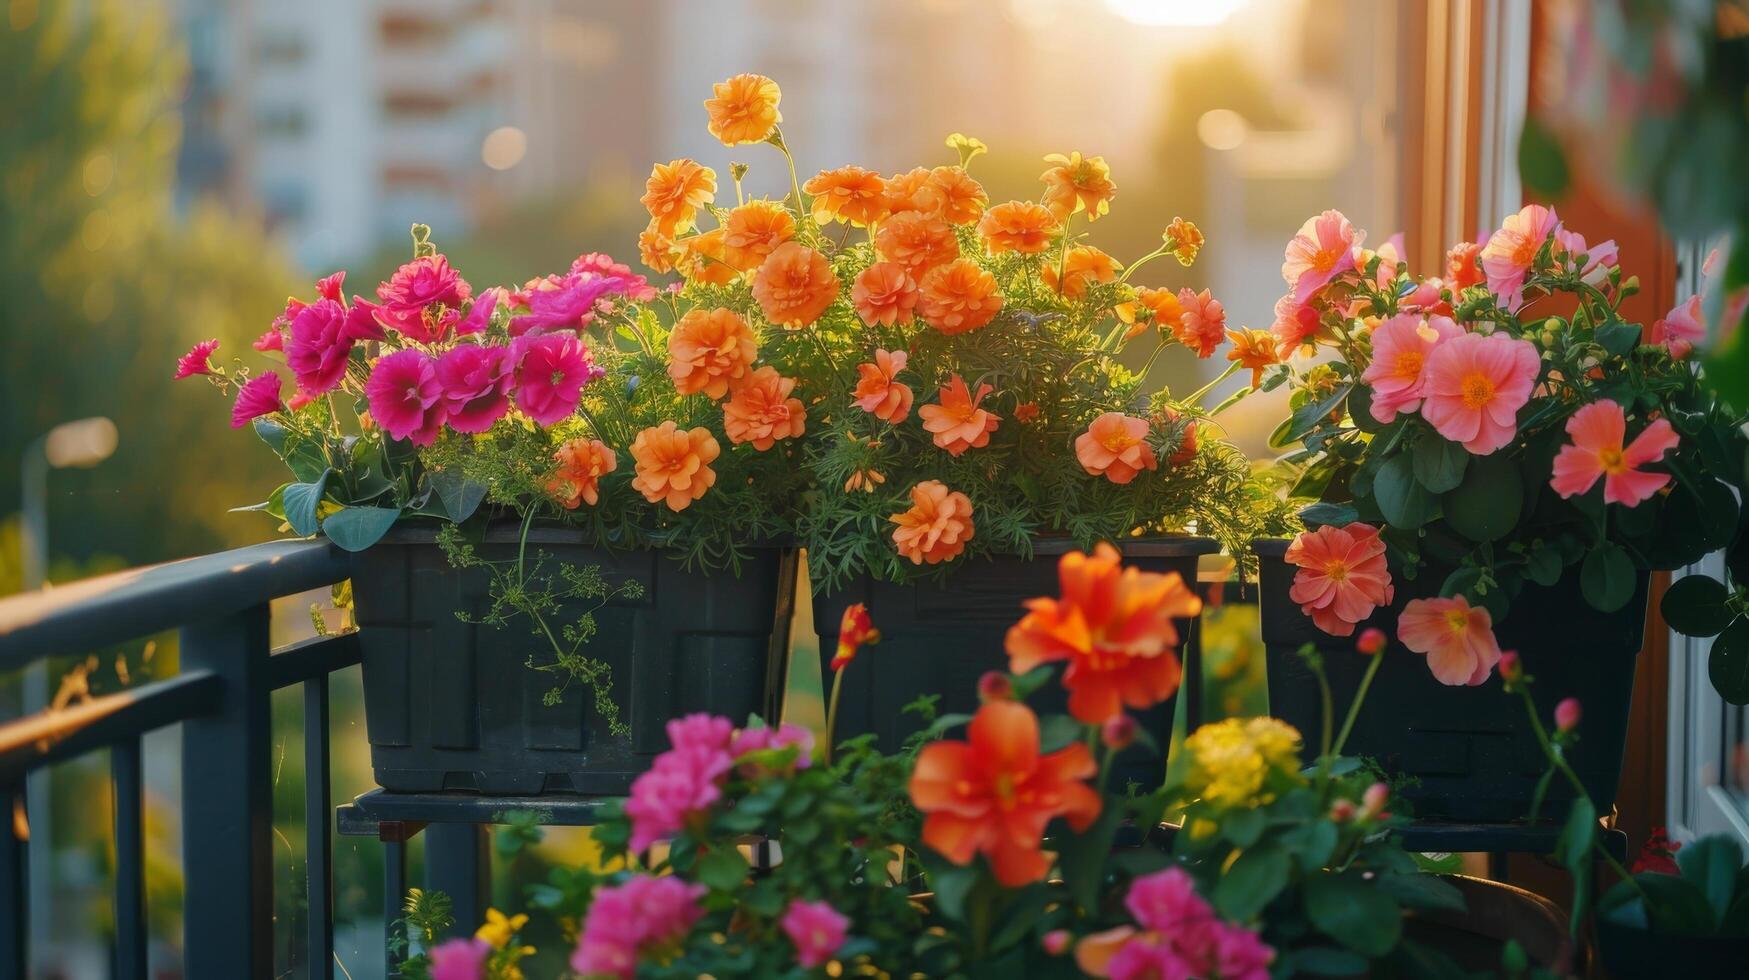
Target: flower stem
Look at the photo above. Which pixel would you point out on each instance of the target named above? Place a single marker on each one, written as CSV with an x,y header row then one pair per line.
x,y
1144,260
1359,696
1200,393
832,713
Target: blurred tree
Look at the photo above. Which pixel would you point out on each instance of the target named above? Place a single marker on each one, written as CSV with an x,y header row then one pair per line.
x,y
105,285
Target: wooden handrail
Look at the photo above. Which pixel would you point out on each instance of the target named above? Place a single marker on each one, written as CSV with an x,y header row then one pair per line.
x,y
51,736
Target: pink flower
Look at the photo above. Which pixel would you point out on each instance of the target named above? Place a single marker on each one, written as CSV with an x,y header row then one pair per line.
x,y
784,736
259,396
637,288
1680,329
1599,258
410,295
361,321
552,369
197,360
1296,324
1342,576
318,348
1596,451
476,385
1239,954
1567,714
1457,639
1510,252
1476,383
681,782
1372,641
1398,372
1167,901
330,287
458,959
567,302
1177,936
406,398
700,731
645,917
1203,324
272,340
1320,251
816,928
480,314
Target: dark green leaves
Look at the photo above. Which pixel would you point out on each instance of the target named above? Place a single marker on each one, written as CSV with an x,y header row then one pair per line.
x,y
460,495
1401,498
1607,577
1573,849
1308,416
1354,913
1485,506
1728,664
722,870
1255,878
301,500
1711,864
1439,464
357,528
1697,606
1335,515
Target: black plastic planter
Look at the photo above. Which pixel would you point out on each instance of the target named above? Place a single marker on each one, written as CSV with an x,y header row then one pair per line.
x,y
452,706
1471,748
940,637
1629,952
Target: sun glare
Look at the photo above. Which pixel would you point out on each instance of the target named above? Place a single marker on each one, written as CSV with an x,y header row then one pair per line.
x,y
1175,13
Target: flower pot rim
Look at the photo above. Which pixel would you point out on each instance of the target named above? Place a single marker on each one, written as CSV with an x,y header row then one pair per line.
x,y
542,532
1146,546
1270,547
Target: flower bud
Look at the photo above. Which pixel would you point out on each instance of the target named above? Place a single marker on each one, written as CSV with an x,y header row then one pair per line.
x,y
1511,670
1118,732
1372,802
1567,714
1056,942
1342,811
995,686
1372,641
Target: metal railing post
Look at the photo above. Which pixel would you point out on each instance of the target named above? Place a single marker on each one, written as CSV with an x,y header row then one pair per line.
x,y
458,863
14,927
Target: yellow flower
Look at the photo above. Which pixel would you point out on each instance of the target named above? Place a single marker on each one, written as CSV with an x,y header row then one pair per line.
x,y
966,146
1242,762
499,928
744,109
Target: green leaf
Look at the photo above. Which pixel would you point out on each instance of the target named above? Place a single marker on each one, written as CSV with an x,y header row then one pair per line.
x,y
1334,515
273,506
1607,578
1711,864
1696,606
460,495
1676,906
1439,463
723,870
1310,415
1310,844
1243,827
1360,410
1617,337
1541,161
357,528
1543,565
1325,961
1405,503
300,504
1423,891
952,884
1083,855
1728,663
1486,505
305,458
1251,882
1573,849
1354,913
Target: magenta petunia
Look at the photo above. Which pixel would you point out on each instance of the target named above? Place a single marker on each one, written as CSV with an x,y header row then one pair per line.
x,y
817,930
476,385
552,369
405,396
567,302
329,287
197,360
480,315
636,287
272,340
462,958
361,321
318,347
259,396
420,297
643,915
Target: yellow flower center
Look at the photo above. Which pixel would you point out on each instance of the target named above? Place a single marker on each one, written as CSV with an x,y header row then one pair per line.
x,y
1117,441
1326,258
1612,461
1336,570
1457,621
1407,365
1478,391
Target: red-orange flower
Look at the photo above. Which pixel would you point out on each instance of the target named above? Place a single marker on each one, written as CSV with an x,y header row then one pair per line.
x,y
761,410
794,285
877,390
1203,322
1163,303
1026,412
710,351
917,241
937,526
674,464
675,192
1254,349
704,259
1115,446
885,293
1018,226
962,197
957,422
1341,577
744,109
855,630
994,793
851,194
959,297
1076,183
1113,626
755,229
582,464
912,191
1082,267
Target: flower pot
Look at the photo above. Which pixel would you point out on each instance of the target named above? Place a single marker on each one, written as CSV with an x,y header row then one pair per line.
x,y
1494,914
1629,952
451,705
1471,748
939,637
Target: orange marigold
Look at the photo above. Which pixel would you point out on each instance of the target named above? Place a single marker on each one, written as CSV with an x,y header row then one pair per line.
x,y
962,198
1203,322
656,250
704,259
1254,349
885,293
1075,183
794,285
674,464
957,423
761,410
917,241
1116,447
1163,303
1183,239
1018,226
852,194
744,109
754,230
959,297
1082,267
710,351
582,464
878,391
675,192
913,191
937,526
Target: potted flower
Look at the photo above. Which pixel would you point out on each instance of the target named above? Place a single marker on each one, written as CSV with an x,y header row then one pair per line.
x,y
1492,459
967,420
516,496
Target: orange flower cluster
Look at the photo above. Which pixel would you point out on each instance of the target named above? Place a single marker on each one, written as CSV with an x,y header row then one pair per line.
x,y
936,527
710,351
581,465
879,393
755,230
674,464
794,285
957,423
1116,447
959,297
848,194
761,410
744,110
1018,226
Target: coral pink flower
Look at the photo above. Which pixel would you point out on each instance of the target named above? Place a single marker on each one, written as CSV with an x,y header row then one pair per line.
x,y
1567,714
761,410
317,348
410,295
476,385
480,314
1320,251
1462,269
937,525
1510,252
551,370
258,396
272,340
1203,324
957,423
1398,372
1457,639
646,917
816,928
197,360
1296,324
406,398
1115,446
1680,329
1599,258
459,959
1342,576
1476,383
885,293
567,302
878,390
1598,431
